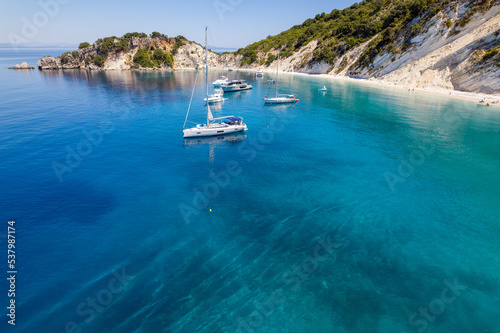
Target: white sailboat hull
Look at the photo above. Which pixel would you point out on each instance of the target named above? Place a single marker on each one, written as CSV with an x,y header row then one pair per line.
x,y
213,130
280,100
215,99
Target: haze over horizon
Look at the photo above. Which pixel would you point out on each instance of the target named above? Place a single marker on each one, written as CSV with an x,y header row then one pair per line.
x,y
232,23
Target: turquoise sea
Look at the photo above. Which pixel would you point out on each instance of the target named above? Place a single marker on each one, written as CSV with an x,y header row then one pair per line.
x,y
363,209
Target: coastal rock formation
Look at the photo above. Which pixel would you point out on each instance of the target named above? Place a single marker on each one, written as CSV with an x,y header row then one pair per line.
x,y
187,55
454,45
49,63
24,65
442,56
436,45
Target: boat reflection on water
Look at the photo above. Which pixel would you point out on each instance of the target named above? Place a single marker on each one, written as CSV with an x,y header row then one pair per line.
x,y
214,142
280,107
228,139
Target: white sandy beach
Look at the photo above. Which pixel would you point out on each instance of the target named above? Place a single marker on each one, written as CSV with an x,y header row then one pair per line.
x,y
463,95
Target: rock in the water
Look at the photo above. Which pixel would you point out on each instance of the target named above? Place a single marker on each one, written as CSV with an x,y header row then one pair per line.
x,y
24,65
49,63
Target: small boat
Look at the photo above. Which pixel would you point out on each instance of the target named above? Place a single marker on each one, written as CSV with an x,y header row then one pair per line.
x,y
322,89
220,81
230,70
271,82
214,126
236,85
483,104
279,98
217,96
259,73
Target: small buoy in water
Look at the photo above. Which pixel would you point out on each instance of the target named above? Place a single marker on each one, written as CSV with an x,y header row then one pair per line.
x,y
210,210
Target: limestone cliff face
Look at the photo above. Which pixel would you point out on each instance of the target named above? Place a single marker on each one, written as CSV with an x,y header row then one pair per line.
x,y
69,60
443,54
188,56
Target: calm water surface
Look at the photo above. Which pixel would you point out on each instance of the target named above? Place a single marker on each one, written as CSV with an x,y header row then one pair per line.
x,y
362,209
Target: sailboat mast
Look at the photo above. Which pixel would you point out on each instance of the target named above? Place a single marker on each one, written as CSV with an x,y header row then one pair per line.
x,y
277,71
206,72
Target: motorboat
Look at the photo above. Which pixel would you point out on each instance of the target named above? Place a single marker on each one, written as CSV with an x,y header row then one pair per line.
x,y
213,126
220,81
217,96
259,73
236,85
322,89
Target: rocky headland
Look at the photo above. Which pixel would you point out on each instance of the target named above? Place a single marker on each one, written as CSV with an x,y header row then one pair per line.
x,y
448,45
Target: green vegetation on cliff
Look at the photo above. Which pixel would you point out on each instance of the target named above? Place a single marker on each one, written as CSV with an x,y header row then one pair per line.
x,y
341,30
98,60
148,57
83,45
145,57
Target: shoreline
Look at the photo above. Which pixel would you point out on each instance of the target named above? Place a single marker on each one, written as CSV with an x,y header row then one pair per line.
x,y
461,95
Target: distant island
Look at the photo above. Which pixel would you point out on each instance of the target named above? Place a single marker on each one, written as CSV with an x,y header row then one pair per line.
x,y
439,44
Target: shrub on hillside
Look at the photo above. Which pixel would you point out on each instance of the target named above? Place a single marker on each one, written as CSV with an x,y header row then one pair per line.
x,y
98,60
83,45
111,43
148,59
142,58
490,54
176,46
156,34
270,59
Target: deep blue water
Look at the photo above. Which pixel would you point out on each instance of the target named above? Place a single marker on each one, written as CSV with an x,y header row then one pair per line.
x,y
363,209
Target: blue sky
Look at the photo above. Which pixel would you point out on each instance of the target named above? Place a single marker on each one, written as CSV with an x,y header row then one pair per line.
x,y
232,23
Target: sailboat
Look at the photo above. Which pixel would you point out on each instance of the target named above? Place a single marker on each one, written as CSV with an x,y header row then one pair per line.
x,y
259,73
279,98
214,126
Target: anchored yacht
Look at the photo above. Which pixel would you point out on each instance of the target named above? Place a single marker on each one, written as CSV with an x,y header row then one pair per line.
x,y
279,98
236,85
217,96
220,81
213,126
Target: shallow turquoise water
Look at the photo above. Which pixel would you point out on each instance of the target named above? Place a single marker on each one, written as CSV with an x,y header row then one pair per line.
x,y
403,186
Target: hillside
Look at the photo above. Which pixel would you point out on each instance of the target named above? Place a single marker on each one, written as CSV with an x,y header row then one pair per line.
x,y
413,43
133,51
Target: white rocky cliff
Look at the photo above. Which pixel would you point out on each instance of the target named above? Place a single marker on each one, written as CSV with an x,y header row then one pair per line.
x,y
441,55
